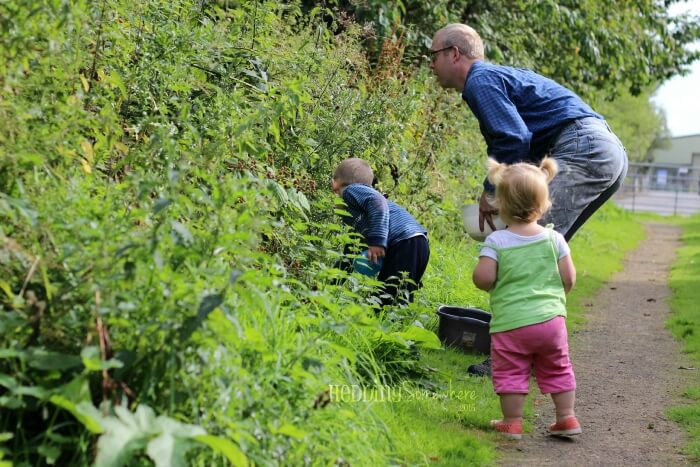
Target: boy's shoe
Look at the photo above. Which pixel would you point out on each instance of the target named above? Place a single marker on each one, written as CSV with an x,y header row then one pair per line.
x,y
512,430
567,427
480,369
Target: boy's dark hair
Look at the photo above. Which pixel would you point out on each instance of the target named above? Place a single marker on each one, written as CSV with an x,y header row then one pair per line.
x,y
354,170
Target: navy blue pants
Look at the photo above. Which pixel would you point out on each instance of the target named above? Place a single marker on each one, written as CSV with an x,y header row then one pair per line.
x,y
406,258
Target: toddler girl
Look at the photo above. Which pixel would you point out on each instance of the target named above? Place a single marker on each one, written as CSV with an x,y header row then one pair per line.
x,y
527,269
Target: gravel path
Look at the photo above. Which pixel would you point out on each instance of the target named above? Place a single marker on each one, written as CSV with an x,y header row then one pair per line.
x,y
627,371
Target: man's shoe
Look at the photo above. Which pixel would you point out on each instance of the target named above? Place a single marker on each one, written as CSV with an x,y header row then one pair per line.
x,y
480,369
512,430
567,427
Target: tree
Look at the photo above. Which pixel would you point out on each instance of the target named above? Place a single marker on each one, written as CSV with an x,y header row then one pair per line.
x,y
636,121
589,45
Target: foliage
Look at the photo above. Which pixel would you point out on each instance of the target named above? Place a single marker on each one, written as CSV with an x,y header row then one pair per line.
x,y
599,46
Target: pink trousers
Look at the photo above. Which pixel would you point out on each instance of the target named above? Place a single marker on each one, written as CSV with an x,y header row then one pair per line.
x,y
542,346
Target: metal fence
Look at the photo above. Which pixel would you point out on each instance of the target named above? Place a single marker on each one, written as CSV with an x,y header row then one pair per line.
x,y
667,190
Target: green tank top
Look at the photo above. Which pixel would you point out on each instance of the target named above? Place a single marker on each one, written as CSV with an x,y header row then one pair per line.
x,y
528,287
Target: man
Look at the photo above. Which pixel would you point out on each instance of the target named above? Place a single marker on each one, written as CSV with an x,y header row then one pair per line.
x,y
524,116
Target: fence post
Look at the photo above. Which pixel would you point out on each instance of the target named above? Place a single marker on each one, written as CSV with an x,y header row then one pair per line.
x,y
675,201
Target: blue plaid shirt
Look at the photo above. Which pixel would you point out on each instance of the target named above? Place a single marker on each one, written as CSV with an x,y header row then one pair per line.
x,y
380,221
520,113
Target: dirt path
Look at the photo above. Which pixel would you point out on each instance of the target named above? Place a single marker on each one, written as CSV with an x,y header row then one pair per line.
x,y
627,370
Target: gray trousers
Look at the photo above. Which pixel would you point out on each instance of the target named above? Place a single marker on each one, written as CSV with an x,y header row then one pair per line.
x,y
592,166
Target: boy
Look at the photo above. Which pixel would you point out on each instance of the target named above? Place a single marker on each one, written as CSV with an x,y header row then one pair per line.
x,y
388,229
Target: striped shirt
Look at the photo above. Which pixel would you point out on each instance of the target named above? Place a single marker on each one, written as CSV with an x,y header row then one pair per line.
x,y
520,113
380,221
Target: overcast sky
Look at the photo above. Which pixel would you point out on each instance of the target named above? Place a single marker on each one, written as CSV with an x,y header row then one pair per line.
x,y
680,96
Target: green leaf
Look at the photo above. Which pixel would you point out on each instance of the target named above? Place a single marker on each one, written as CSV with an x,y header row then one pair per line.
x,y
93,361
12,353
34,391
51,453
422,337
115,80
292,431
344,351
8,381
11,402
75,398
226,447
85,412
183,235
342,212
279,192
208,304
164,438
160,204
45,360
165,452
5,287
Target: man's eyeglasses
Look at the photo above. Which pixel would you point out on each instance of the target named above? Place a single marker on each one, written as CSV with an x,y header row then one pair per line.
x,y
433,53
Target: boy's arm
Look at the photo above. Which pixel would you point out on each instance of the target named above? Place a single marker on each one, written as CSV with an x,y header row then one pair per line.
x,y
485,273
567,271
375,208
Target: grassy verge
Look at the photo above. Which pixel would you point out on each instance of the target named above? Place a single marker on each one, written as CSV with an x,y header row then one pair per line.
x,y
448,424
685,325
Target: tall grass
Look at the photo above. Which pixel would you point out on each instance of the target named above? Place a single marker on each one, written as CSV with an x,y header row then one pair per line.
x,y
684,323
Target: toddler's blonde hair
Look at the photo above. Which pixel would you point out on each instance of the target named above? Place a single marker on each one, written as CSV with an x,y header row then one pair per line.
x,y
522,194
353,170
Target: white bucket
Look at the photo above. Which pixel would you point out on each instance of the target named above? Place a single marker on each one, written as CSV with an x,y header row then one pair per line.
x,y
470,219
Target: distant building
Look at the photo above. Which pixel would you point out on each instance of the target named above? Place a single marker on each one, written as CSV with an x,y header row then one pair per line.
x,y
676,167
669,184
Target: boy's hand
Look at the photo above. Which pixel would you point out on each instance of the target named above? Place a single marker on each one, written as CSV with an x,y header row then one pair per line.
x,y
374,253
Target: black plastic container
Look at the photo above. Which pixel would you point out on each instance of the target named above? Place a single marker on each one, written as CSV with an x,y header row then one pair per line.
x,y
465,328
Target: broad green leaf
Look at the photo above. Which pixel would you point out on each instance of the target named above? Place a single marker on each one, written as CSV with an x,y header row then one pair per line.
x,y
115,80
11,353
292,431
226,447
422,337
47,360
5,287
165,439
8,381
11,402
50,452
304,201
279,192
34,391
162,451
124,434
344,351
85,412
169,448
